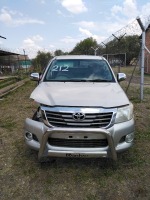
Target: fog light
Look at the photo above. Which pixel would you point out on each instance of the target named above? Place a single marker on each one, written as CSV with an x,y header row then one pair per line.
x,y
29,136
129,137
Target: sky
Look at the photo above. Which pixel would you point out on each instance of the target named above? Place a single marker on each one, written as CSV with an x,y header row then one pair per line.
x,y
48,25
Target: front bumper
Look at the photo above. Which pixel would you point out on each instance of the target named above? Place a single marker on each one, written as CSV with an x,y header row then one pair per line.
x,y
113,136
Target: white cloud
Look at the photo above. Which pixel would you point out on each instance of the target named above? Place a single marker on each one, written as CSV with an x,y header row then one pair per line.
x,y
5,16
51,46
146,9
113,27
14,18
37,38
27,21
75,6
28,43
127,13
128,9
88,25
69,39
59,12
68,43
123,15
115,9
33,40
87,33
32,45
146,14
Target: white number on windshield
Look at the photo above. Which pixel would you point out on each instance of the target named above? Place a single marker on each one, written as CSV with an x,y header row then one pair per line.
x,y
60,68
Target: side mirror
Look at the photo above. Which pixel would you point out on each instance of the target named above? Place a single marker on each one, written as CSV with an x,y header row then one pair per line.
x,y
121,77
35,76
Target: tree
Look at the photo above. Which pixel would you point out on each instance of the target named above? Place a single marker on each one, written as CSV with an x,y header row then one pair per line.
x,y
41,60
58,52
132,47
84,47
128,44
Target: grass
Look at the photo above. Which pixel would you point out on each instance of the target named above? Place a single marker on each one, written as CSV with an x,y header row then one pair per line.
x,y
7,81
23,177
128,70
8,123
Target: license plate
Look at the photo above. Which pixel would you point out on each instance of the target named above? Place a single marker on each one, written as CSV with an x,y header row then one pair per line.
x,y
70,155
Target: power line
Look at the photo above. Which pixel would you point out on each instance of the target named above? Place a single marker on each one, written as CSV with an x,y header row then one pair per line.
x,y
2,37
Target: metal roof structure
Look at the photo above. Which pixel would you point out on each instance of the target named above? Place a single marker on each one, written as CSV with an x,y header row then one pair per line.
x,y
7,53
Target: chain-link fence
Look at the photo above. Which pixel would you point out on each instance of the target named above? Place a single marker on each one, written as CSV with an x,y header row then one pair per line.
x,y
135,75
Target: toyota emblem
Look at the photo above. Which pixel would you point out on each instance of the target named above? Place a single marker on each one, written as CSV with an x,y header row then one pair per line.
x,y
78,116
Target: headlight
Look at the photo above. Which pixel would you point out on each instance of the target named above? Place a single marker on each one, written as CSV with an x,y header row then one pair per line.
x,y
43,117
124,114
41,114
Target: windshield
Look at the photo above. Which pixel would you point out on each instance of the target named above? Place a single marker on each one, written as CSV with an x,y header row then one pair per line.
x,y
72,70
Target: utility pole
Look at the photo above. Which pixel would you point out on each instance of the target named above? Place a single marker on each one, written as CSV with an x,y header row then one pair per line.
x,y
25,59
95,49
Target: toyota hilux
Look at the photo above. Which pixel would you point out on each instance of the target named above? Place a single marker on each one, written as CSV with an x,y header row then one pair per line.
x,y
82,111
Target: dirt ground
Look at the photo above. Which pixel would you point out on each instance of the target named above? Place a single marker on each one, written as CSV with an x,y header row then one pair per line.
x,y
24,178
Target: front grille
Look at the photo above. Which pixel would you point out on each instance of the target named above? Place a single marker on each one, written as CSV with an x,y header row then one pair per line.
x,y
92,120
78,143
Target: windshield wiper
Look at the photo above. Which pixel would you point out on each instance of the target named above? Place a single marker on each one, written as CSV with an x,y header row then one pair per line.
x,y
99,80
79,80
88,80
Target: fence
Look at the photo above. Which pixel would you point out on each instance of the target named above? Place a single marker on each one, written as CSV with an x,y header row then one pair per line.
x,y
14,63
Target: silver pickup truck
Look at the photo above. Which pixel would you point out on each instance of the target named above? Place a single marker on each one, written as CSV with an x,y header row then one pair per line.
x,y
82,110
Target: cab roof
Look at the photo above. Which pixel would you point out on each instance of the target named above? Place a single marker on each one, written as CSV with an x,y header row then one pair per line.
x,y
90,57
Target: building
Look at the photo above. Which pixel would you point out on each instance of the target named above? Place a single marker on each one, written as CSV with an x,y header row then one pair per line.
x,y
24,62
11,62
5,61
